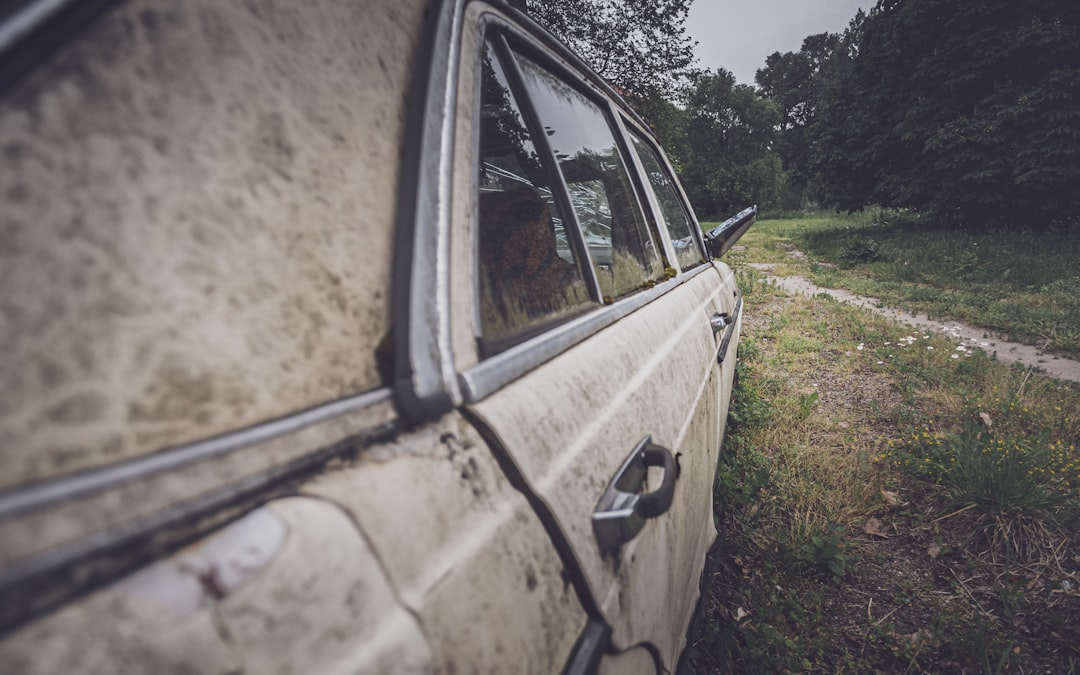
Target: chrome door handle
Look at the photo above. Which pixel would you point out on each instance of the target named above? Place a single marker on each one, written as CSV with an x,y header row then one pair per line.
x,y
725,343
622,511
719,322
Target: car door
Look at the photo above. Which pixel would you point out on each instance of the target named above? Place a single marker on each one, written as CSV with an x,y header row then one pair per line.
x,y
581,394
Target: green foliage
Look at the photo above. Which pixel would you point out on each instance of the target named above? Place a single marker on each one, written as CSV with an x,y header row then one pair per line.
x,y
749,407
998,475
825,551
795,81
839,560
728,162
806,404
1023,284
861,250
969,110
668,122
640,46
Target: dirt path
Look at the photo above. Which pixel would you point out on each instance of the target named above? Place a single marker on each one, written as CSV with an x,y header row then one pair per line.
x,y
1009,352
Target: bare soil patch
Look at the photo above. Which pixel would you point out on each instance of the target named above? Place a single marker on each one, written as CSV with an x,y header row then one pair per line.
x,y
1003,350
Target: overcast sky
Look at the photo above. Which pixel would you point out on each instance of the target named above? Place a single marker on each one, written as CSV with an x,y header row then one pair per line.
x,y
739,34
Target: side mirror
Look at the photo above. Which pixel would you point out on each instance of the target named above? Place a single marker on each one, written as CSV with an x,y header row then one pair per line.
x,y
722,237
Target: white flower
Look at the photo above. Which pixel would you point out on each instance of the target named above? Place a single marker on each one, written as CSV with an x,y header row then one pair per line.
x,y
860,347
930,348
954,356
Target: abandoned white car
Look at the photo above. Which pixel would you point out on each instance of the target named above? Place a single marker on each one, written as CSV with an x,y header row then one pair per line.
x,y
366,337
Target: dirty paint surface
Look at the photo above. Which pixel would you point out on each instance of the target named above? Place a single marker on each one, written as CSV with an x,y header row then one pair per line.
x,y
197,224
290,588
462,549
652,373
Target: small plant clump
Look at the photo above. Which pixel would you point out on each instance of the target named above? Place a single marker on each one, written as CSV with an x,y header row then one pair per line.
x,y
996,473
861,250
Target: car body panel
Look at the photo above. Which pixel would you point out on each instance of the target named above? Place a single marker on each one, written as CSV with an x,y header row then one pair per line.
x,y
637,661
292,587
459,545
571,423
188,142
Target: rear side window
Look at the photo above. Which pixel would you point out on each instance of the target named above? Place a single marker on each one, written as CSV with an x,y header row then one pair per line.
x,y
679,223
529,275
580,134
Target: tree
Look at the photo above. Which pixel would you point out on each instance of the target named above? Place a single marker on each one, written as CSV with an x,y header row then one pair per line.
x,y
729,161
640,46
969,110
797,82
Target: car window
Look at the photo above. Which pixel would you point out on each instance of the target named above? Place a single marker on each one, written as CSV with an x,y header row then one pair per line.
x,y
680,224
622,250
528,272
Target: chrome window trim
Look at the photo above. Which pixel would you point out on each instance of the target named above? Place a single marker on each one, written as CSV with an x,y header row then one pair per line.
x,y
425,385
560,189
33,29
652,141
698,234
35,496
525,25
47,576
634,174
28,19
494,373
650,195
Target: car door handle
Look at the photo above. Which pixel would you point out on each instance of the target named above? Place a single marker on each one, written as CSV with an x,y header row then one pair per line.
x,y
719,322
622,511
729,325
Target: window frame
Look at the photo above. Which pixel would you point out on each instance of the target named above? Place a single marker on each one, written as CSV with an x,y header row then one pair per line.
x,y
546,340
632,128
489,347
506,43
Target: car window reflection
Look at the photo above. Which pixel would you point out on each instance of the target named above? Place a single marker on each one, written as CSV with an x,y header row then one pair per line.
x,y
680,225
528,272
622,250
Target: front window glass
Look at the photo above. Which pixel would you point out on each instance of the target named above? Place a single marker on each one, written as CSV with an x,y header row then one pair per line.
x,y
528,273
680,225
622,250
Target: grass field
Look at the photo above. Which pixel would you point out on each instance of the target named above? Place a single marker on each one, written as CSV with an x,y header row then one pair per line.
x,y
1022,286
889,502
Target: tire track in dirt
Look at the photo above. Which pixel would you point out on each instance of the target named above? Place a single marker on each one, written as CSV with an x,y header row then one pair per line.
x,y
1003,350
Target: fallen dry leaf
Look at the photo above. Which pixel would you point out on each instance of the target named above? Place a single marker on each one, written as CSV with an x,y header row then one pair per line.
x,y
986,420
891,498
741,614
934,552
876,528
